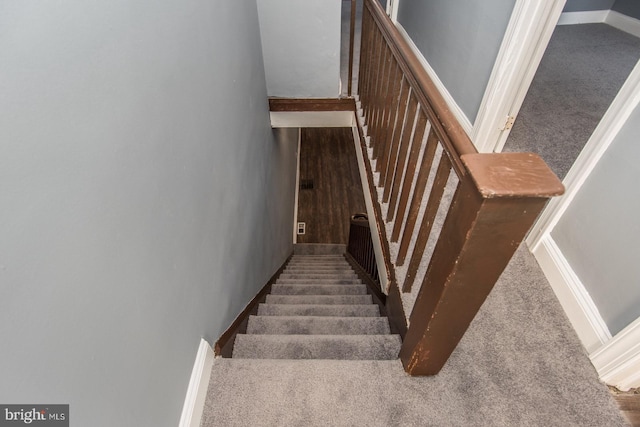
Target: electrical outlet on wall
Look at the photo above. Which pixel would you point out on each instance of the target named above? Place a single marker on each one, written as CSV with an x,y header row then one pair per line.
x,y
301,227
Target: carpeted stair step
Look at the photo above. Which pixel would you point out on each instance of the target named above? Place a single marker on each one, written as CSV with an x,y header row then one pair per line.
x,y
318,270
315,249
317,325
343,310
318,289
318,281
319,299
344,347
320,263
328,276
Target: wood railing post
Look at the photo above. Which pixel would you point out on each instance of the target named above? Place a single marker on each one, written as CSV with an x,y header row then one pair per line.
x,y
495,204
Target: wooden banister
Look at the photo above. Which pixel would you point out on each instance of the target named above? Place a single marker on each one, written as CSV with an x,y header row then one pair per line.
x,y
455,213
425,90
492,210
360,246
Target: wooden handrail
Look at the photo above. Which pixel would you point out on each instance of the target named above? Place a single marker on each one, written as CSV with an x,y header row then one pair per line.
x,y
426,91
456,212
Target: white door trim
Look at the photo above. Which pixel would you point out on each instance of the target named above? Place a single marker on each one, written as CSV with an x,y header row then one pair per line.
x,y
614,118
528,33
392,10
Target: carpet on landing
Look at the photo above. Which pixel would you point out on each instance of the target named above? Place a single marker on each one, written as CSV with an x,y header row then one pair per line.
x,y
520,364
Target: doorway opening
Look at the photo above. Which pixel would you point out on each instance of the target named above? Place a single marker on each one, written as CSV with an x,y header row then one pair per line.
x,y
581,72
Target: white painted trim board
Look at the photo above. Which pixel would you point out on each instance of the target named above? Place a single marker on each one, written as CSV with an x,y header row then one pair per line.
x,y
611,17
311,119
198,385
623,22
618,361
375,237
583,17
526,38
573,296
614,118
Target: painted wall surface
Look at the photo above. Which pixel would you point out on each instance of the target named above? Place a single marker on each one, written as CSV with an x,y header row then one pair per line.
x,y
301,47
584,5
460,40
144,198
627,7
599,232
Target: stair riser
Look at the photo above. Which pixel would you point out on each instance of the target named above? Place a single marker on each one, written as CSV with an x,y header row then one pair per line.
x,y
318,282
328,276
361,347
317,271
315,325
319,290
318,310
319,299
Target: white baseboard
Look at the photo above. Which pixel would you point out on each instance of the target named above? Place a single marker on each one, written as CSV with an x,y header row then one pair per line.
x,y
585,17
611,17
198,385
311,119
455,108
623,22
574,298
618,362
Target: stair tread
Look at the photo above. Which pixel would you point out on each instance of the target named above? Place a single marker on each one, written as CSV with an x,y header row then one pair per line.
x,y
343,310
317,325
343,347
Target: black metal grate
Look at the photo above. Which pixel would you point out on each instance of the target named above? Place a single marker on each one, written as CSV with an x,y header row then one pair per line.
x,y
306,184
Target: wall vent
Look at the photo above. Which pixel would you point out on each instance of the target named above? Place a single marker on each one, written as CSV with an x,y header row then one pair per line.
x,y
306,184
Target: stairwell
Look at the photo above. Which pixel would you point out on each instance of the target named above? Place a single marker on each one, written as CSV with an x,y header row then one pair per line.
x,y
318,309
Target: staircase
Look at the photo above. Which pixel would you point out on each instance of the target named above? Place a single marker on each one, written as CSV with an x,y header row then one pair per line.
x,y
318,309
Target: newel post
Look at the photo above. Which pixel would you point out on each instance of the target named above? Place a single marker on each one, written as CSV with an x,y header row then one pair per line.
x,y
493,208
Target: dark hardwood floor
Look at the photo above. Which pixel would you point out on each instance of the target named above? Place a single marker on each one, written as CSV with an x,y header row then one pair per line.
x,y
629,404
328,163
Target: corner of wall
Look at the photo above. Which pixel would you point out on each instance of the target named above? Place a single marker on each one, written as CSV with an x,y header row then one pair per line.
x,y
618,361
573,296
623,23
583,17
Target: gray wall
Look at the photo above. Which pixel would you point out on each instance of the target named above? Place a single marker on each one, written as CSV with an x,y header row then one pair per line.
x,y
600,231
460,40
144,199
301,47
628,7
584,5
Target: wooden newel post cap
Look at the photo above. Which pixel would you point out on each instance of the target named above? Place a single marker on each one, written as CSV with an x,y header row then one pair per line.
x,y
512,175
